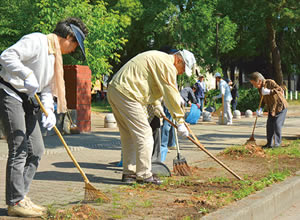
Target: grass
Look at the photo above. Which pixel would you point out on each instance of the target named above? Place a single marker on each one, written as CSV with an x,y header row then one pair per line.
x,y
293,149
101,106
294,102
236,150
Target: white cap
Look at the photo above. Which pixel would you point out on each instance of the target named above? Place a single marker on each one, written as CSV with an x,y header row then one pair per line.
x,y
218,75
189,60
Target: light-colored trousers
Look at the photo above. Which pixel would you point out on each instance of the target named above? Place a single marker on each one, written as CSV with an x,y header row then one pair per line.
x,y
135,132
227,111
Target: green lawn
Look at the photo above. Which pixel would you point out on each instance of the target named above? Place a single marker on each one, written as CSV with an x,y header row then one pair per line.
x,y
101,106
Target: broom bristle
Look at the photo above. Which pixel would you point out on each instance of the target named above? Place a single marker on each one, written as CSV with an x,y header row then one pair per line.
x,y
251,140
181,169
92,194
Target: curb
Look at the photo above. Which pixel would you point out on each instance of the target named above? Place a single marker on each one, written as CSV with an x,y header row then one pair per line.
x,y
266,204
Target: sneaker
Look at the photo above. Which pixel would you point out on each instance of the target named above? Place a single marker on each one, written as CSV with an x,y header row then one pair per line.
x,y
152,179
229,123
128,178
34,206
22,209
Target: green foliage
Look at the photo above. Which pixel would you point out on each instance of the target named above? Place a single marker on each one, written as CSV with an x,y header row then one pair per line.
x,y
236,150
106,29
249,186
293,150
248,99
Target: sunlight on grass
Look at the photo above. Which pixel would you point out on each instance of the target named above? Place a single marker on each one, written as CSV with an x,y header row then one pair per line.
x,y
292,149
101,106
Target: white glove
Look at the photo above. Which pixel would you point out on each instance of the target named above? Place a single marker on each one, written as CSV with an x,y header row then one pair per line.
x,y
265,91
259,112
31,84
158,111
50,121
182,130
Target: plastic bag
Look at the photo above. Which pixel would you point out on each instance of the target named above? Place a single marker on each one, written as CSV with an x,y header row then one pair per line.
x,y
194,115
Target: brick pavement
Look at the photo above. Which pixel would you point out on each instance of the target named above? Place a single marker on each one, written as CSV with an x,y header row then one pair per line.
x,y
59,183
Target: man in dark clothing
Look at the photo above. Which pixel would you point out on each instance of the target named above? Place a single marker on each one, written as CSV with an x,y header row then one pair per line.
x,y
200,91
188,95
234,93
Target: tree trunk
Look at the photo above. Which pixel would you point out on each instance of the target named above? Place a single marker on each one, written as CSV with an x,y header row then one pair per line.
x,y
276,60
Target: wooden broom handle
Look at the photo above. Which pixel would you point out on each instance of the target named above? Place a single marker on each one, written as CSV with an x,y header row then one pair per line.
x,y
206,151
257,115
192,133
63,141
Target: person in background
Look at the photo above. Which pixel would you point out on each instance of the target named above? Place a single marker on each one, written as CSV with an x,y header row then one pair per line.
x,y
33,65
200,91
273,97
188,96
234,93
224,91
143,80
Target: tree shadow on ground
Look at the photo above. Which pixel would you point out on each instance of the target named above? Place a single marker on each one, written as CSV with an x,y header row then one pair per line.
x,y
75,177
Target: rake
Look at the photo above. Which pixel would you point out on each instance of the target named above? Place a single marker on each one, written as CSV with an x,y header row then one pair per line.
x,y
91,193
251,140
180,166
206,151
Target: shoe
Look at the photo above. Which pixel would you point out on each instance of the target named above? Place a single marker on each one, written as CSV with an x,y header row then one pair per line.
x,y
34,206
152,179
266,146
128,178
229,123
22,209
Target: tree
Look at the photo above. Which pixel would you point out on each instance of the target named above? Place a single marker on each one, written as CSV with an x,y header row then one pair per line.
x,y
260,29
105,27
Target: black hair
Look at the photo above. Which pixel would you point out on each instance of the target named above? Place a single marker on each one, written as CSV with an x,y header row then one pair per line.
x,y
63,28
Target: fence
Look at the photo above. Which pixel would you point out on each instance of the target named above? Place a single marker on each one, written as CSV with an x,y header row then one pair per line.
x,y
291,95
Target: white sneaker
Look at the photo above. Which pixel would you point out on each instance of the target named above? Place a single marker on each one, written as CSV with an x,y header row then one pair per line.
x,y
22,209
229,123
34,206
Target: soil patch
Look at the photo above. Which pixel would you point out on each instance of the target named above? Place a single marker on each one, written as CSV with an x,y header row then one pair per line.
x,y
210,187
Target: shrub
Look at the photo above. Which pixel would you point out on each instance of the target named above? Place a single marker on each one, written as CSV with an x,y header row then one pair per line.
x,y
248,99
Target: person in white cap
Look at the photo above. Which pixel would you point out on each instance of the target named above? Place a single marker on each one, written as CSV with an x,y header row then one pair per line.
x,y
225,91
141,81
32,65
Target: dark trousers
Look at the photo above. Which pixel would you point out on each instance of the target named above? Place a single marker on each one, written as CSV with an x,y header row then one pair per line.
x,y
234,103
25,147
155,125
274,127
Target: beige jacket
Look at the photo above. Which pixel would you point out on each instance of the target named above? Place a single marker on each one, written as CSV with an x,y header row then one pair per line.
x,y
149,76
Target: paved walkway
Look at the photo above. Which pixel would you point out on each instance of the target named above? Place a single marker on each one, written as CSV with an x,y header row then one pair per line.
x,y
58,181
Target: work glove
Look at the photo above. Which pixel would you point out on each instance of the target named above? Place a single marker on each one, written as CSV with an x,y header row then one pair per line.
x,y
265,91
50,121
158,111
259,112
182,130
31,84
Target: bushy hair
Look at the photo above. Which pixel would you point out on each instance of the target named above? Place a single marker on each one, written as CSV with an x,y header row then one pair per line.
x,y
256,76
63,28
